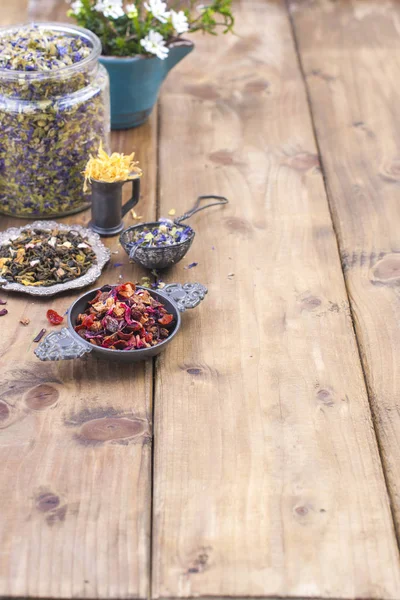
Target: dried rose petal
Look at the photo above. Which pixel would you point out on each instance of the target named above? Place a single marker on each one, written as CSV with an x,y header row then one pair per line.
x,y
2,302
125,336
166,320
39,335
124,319
3,312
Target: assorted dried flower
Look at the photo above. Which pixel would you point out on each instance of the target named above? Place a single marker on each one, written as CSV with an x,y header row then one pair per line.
x,y
44,258
25,321
111,168
3,312
124,318
53,113
166,233
34,49
158,284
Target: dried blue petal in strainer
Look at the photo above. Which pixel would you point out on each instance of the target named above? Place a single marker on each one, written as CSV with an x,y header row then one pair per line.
x,y
160,244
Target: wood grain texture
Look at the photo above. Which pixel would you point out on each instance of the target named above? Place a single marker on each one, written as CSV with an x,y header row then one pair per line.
x,y
350,53
75,442
47,10
13,11
267,476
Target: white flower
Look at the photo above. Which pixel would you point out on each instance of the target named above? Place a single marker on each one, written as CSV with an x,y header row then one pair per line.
x,y
179,21
159,9
111,9
76,6
131,11
155,44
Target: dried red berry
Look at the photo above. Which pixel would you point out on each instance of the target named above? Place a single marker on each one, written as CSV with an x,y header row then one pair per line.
x,y
53,317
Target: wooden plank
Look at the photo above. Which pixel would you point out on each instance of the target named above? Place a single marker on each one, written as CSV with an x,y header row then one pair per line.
x,y
351,52
75,444
47,10
14,12
267,477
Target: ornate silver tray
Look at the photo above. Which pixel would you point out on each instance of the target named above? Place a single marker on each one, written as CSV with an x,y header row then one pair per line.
x,y
102,254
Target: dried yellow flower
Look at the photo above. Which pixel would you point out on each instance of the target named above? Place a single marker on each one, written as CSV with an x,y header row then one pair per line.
x,y
135,216
110,168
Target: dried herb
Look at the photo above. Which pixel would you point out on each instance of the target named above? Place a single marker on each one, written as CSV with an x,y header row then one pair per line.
x,y
43,258
53,113
39,335
34,49
167,233
53,317
3,312
124,318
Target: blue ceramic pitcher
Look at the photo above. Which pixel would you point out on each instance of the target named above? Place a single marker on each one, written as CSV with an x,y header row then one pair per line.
x,y
135,83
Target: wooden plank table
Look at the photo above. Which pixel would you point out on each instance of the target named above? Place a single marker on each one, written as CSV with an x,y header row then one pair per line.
x,y
271,470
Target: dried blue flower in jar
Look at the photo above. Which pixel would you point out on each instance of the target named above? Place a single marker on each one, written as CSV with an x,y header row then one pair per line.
x,y
54,111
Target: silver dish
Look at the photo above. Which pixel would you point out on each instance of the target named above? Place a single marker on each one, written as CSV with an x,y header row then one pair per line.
x,y
102,254
67,344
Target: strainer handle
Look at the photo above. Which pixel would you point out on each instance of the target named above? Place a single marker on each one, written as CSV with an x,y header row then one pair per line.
x,y
196,208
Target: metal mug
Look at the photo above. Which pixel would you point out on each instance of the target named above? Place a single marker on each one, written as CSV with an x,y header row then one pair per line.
x,y
107,208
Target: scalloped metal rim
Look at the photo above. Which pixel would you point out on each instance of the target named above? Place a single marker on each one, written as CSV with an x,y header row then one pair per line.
x,y
102,253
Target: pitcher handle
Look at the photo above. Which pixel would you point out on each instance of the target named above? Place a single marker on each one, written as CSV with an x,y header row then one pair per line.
x,y
135,197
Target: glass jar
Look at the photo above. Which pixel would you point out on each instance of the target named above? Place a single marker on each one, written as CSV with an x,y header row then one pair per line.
x,y
50,122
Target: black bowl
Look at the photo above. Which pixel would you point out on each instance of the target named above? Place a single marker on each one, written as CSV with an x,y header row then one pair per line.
x,y
81,304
